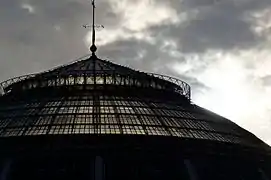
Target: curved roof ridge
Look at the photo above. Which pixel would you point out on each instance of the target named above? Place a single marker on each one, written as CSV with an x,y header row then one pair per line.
x,y
97,68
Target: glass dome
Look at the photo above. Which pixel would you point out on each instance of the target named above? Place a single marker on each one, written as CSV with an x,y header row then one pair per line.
x,y
93,105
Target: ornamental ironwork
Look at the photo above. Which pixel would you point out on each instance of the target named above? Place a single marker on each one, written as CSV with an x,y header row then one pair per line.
x,y
93,71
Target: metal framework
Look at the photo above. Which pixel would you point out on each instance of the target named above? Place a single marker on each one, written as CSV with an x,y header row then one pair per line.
x,y
101,114
95,76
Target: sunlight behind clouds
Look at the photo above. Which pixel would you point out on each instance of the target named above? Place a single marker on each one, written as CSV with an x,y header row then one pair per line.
x,y
136,17
28,7
261,22
110,35
236,90
140,14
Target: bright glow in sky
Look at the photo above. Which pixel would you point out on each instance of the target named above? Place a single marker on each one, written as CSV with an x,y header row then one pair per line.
x,y
137,17
236,90
28,7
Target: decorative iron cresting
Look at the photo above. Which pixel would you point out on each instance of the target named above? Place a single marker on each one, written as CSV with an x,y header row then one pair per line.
x,y
131,78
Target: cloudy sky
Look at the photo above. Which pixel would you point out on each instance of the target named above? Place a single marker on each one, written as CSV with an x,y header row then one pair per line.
x,y
222,48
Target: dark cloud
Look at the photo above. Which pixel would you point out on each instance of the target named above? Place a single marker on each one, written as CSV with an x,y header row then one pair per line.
x,y
151,59
218,25
50,36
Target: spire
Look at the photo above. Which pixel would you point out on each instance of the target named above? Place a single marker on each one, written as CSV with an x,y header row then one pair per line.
x,y
93,47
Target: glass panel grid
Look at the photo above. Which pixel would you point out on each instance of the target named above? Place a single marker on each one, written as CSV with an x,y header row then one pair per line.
x,y
107,109
142,110
71,103
129,119
217,136
110,129
204,135
132,129
206,125
138,103
163,112
105,103
64,129
150,120
85,109
34,105
83,119
83,129
49,110
125,110
108,119
63,119
170,122
189,124
198,134
76,116
52,103
67,110
44,120
13,131
36,130
181,133
87,102
152,130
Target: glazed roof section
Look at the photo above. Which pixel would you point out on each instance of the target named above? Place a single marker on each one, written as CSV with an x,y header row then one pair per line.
x,y
92,71
110,114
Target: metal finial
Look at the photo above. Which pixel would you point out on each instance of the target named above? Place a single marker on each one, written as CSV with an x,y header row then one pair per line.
x,y
93,48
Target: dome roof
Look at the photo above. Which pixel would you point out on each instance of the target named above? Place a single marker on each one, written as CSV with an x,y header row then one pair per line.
x,y
93,71
97,97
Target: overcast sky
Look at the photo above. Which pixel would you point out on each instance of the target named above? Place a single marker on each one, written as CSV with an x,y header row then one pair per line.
x,y
222,48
